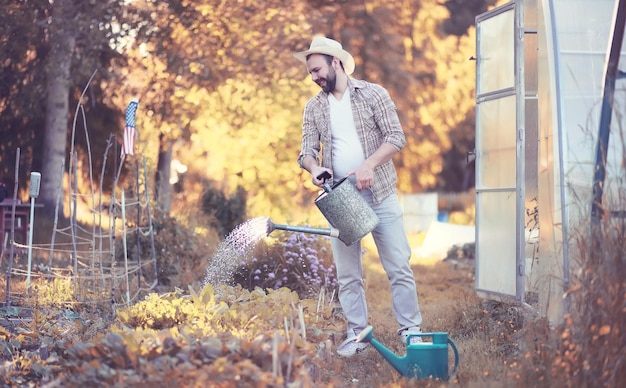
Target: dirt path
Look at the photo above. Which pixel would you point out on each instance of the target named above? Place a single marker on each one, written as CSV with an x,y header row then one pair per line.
x,y
443,289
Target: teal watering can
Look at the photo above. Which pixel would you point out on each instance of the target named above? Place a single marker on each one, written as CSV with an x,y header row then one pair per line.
x,y
422,360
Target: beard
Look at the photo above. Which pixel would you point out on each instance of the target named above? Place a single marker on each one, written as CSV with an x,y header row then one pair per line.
x,y
330,81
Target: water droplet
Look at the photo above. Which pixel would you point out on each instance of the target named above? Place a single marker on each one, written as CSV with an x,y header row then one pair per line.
x,y
235,248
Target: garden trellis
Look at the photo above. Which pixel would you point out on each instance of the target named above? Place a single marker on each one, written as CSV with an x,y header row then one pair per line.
x,y
86,257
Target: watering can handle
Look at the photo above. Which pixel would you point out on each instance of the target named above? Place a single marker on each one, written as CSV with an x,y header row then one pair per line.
x,y
456,356
325,176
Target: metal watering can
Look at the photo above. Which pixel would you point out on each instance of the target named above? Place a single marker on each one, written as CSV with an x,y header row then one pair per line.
x,y
422,360
350,216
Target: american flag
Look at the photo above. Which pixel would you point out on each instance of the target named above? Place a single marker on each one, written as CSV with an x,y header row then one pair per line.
x,y
128,146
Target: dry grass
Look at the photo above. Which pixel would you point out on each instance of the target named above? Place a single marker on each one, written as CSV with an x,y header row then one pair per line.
x,y
504,344
448,304
500,344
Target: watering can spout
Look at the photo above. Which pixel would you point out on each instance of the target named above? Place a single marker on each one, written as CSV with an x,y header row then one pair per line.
x,y
332,232
398,363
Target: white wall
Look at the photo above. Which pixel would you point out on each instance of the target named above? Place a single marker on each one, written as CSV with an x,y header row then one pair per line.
x,y
419,210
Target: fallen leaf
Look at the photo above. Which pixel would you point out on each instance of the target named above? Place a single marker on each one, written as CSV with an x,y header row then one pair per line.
x,y
604,330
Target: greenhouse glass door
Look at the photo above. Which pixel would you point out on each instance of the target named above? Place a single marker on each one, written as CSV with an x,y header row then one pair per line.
x,y
499,153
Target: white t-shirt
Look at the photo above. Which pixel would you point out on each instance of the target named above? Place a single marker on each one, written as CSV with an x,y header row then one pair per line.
x,y
347,151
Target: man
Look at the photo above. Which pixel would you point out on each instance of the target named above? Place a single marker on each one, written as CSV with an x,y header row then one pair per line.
x,y
353,125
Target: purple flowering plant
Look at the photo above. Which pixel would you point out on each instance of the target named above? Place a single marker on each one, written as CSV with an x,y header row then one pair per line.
x,y
301,262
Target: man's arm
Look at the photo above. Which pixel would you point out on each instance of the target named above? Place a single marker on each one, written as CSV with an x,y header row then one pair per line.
x,y
310,164
364,174
386,116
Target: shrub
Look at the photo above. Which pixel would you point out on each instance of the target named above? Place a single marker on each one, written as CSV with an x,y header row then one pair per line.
x,y
465,251
302,263
182,252
586,349
227,212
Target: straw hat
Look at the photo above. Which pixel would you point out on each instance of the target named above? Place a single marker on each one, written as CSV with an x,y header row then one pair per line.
x,y
323,45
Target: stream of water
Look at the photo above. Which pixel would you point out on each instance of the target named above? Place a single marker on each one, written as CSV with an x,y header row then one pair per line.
x,y
235,248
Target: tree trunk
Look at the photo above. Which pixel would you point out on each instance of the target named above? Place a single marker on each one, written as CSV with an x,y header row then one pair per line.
x,y
58,65
162,187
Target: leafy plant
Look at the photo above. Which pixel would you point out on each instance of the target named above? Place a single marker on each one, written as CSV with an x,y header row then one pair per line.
x,y
228,334
59,292
171,309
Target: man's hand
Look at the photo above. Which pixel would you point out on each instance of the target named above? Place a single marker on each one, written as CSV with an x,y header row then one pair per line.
x,y
364,176
317,171
310,164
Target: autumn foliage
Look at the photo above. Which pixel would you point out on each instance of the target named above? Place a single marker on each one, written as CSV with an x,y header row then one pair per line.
x,y
232,336
220,92
221,95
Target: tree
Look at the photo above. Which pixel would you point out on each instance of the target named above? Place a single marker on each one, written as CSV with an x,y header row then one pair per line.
x,y
53,49
58,64
220,69
22,86
199,46
219,89
463,15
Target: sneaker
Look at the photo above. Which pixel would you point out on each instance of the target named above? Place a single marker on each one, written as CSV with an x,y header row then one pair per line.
x,y
350,347
408,334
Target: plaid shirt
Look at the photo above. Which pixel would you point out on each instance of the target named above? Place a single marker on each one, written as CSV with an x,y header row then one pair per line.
x,y
376,122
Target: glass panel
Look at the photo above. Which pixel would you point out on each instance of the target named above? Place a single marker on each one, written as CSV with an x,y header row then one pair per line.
x,y
583,44
581,129
588,33
617,141
530,63
496,53
530,15
496,242
582,74
496,144
581,88
531,147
